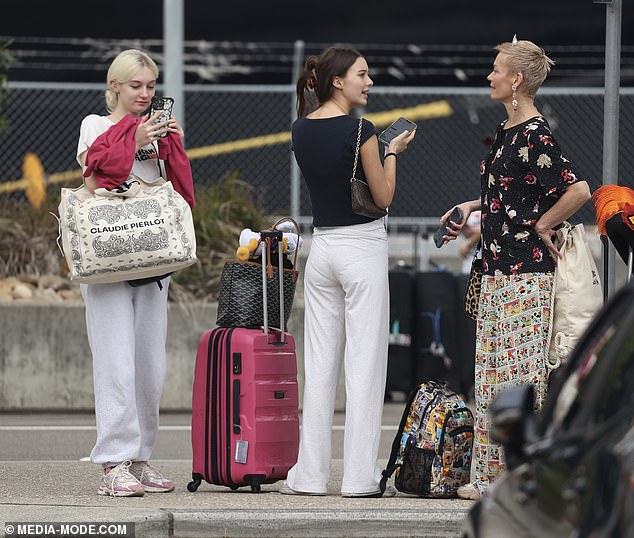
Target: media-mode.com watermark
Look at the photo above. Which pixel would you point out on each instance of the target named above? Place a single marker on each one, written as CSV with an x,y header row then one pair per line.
x,y
68,530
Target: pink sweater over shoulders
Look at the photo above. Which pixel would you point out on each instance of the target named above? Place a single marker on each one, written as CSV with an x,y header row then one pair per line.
x,y
111,156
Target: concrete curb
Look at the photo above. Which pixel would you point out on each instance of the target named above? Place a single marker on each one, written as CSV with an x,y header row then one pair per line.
x,y
54,491
318,523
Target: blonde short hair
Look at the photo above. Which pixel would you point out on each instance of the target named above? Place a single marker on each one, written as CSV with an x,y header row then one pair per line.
x,y
529,59
123,68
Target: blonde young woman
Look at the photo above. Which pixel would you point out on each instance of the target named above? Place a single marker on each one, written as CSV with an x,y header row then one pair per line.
x,y
345,282
528,188
127,325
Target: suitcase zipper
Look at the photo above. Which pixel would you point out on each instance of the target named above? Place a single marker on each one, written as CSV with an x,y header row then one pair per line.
x,y
211,475
228,364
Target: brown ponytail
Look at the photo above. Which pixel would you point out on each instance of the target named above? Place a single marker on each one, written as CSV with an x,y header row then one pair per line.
x,y
315,83
306,83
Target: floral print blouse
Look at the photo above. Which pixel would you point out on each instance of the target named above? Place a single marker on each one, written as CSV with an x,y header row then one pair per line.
x,y
522,177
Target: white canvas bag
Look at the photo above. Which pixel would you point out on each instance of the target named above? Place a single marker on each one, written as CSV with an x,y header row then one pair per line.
x,y
110,237
577,293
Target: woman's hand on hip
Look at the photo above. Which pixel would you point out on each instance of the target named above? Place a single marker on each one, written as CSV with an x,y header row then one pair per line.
x,y
547,236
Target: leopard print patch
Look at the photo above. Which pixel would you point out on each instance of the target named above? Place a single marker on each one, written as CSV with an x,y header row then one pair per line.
x,y
474,285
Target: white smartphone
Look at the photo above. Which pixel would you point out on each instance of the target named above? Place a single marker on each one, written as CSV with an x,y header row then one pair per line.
x,y
165,105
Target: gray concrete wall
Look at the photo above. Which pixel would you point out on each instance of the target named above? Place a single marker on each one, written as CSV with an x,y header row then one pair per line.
x,y
45,360
46,364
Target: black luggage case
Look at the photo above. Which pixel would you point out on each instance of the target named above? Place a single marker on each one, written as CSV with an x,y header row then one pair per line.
x,y
400,363
466,329
437,356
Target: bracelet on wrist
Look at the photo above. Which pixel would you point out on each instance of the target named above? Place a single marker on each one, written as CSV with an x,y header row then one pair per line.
x,y
388,154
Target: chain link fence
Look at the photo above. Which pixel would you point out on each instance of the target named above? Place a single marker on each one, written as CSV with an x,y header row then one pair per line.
x,y
245,130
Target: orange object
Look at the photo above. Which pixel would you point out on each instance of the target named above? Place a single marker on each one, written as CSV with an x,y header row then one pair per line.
x,y
611,199
33,172
627,213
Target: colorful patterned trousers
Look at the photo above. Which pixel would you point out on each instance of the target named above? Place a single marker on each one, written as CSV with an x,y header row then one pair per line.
x,y
512,334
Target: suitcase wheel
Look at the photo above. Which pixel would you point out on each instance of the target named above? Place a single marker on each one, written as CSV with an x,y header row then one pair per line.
x,y
195,483
234,487
254,480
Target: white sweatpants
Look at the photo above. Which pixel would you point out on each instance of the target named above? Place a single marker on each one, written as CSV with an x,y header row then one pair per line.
x,y
346,316
127,330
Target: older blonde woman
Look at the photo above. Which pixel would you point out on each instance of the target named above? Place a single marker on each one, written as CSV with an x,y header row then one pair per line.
x,y
528,188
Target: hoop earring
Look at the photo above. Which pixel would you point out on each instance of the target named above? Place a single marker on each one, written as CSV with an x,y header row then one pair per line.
x,y
514,102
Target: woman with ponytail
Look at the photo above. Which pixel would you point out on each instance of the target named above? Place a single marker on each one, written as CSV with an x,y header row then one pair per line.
x,y
346,278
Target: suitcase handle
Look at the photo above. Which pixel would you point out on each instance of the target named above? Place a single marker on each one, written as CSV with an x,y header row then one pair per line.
x,y
236,406
268,236
272,234
297,232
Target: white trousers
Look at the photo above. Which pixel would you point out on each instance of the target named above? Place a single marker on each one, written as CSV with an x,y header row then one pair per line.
x,y
346,318
127,330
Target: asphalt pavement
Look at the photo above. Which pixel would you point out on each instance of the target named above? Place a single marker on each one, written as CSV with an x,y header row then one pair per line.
x,y
46,482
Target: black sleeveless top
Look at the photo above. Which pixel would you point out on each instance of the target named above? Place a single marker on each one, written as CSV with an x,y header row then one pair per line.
x,y
324,149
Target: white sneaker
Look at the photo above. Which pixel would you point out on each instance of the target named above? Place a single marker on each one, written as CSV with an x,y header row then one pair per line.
x,y
285,489
469,492
118,482
150,478
389,492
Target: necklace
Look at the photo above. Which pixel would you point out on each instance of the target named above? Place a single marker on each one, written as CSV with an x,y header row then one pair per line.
x,y
340,108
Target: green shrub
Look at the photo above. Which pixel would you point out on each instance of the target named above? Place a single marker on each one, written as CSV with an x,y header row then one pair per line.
x,y
222,210
28,237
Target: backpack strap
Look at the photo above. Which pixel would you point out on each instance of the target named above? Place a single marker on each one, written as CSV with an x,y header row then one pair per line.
x,y
396,444
448,415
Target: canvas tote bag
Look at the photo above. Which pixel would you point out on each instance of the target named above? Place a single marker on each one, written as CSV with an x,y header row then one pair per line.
x,y
577,293
112,238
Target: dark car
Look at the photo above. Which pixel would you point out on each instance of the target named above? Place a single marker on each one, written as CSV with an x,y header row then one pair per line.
x,y
570,469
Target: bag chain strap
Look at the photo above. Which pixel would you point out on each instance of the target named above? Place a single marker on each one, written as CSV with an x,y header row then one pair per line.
x,y
356,151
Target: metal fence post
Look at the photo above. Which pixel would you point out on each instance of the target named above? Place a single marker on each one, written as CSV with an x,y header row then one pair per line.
x,y
298,63
173,30
611,119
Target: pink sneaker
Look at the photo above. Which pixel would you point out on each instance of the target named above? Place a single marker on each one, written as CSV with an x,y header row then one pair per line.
x,y
118,482
150,478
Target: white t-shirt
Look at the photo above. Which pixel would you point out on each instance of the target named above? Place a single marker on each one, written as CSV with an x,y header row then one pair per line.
x,y
146,161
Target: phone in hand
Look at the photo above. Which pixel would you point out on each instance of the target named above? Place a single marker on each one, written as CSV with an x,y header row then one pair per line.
x,y
400,125
165,105
456,216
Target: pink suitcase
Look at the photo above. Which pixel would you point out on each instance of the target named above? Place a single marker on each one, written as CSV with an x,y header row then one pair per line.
x,y
245,424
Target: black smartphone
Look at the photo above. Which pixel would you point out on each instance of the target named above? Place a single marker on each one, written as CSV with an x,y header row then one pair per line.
x,y
456,216
165,105
400,125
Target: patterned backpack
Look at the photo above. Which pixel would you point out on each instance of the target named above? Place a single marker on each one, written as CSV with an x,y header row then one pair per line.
x,y
431,453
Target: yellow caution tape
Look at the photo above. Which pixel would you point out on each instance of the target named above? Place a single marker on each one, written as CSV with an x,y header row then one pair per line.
x,y
436,109
426,111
